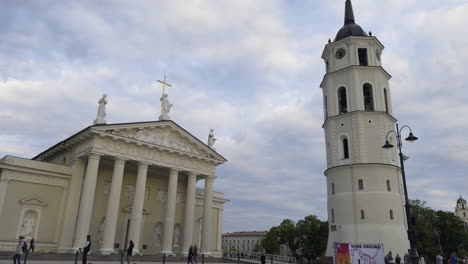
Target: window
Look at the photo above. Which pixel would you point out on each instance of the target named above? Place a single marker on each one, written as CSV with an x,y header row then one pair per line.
x,y
363,216
345,148
386,100
333,215
391,214
342,100
326,66
333,188
362,55
333,228
368,97
389,188
463,206
361,184
464,214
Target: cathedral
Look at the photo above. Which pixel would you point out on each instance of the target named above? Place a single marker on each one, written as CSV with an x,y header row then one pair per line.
x,y
364,183
116,183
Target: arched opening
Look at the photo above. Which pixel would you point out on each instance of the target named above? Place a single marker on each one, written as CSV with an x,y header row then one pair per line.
x,y
333,188
333,215
391,214
463,206
345,148
386,99
363,216
342,101
368,97
464,214
389,187
361,184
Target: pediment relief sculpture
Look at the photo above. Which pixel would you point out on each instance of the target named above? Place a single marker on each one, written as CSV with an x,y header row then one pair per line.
x,y
164,137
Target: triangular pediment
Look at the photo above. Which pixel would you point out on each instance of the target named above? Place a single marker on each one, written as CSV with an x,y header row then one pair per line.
x,y
33,200
164,134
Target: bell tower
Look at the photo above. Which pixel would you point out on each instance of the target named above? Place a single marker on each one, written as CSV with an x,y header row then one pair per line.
x,y
365,192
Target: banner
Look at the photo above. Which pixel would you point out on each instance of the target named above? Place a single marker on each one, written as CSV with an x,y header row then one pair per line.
x,y
359,253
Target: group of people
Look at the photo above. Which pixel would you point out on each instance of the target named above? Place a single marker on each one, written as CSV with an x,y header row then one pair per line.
x,y
22,247
87,247
453,259
192,255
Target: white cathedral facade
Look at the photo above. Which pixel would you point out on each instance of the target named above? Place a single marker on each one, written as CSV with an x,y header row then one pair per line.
x,y
115,182
365,191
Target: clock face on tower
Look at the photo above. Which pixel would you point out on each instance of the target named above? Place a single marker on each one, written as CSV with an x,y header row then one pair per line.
x,y
340,53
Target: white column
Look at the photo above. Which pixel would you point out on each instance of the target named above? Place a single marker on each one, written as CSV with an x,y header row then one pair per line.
x,y
71,209
137,208
207,212
3,191
189,212
112,211
170,213
86,204
220,229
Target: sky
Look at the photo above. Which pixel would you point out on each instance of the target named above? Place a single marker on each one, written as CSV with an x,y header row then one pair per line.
x,y
249,69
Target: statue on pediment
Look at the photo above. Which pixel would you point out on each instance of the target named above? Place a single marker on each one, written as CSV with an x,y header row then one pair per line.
x,y
165,107
101,114
211,138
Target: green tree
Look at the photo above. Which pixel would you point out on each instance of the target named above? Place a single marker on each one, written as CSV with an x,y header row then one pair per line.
x,y
271,241
313,235
289,236
436,231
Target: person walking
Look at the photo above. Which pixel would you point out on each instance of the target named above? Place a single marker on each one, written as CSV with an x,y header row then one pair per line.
x,y
439,258
19,250
190,254
397,259
195,254
86,248
130,251
388,259
32,244
453,258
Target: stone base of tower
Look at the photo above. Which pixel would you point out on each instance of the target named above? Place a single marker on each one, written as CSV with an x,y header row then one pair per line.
x,y
394,238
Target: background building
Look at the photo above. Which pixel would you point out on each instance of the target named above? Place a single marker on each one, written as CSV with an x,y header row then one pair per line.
x,y
461,210
245,241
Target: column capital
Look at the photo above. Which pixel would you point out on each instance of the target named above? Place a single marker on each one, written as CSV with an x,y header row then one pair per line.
x,y
76,160
94,155
191,173
174,170
142,164
120,159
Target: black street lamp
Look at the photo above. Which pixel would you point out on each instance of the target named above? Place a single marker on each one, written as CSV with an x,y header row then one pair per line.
x,y
413,255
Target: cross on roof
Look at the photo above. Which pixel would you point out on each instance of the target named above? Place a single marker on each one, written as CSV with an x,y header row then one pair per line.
x,y
164,85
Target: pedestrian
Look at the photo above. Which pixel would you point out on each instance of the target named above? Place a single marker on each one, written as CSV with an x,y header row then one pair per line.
x,y
388,259
439,258
195,254
86,248
397,259
130,251
453,259
19,250
32,244
262,256
190,254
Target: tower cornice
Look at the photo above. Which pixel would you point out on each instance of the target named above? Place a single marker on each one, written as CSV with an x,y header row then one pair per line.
x,y
359,165
358,112
354,67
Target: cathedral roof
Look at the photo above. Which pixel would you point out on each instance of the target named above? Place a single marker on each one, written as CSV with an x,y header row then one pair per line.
x,y
350,28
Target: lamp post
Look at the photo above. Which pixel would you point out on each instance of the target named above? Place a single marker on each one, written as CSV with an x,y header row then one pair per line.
x,y
413,255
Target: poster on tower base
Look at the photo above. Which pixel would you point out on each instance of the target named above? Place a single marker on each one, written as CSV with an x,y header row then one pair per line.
x,y
359,253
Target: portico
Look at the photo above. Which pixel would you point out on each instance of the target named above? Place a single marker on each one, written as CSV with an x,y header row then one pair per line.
x,y
137,181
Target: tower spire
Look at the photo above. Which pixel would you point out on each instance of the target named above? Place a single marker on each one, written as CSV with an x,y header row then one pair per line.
x,y
349,14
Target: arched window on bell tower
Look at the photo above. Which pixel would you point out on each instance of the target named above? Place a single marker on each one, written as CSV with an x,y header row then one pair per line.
x,y
342,101
344,147
368,97
386,99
